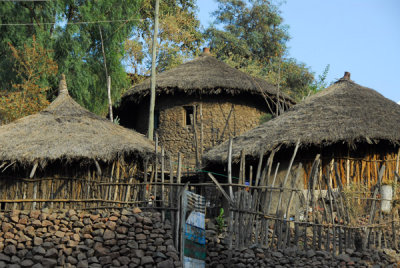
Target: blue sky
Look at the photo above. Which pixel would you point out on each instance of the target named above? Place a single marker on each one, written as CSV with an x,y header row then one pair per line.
x,y
359,36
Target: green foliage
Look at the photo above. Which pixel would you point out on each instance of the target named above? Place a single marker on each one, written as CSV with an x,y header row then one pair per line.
x,y
33,68
265,117
220,221
77,47
179,36
320,83
253,39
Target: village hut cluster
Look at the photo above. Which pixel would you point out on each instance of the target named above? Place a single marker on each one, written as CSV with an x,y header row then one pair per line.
x,y
64,156
344,136
200,104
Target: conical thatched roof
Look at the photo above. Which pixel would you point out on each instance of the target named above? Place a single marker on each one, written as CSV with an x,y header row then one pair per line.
x,y
66,131
344,113
205,75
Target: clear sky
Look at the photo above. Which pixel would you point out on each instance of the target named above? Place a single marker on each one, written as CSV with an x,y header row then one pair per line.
x,y
359,36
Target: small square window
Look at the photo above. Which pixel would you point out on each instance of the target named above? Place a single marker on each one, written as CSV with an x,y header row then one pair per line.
x,y
188,115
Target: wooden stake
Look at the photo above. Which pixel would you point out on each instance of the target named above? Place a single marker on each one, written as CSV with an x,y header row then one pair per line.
x,y
230,168
162,183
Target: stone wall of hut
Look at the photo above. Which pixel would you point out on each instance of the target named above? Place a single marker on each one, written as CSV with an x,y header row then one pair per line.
x,y
222,116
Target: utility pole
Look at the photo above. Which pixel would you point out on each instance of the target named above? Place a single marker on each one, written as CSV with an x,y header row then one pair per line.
x,y
150,132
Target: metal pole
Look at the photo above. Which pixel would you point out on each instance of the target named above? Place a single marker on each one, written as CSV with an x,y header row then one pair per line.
x,y
153,74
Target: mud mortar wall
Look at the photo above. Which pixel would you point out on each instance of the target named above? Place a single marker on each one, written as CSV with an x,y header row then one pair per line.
x,y
223,116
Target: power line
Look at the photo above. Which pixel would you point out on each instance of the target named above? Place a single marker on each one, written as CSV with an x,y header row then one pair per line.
x,y
27,0
77,22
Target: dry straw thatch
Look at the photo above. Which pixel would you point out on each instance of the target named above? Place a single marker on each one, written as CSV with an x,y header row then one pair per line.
x,y
205,75
344,113
65,131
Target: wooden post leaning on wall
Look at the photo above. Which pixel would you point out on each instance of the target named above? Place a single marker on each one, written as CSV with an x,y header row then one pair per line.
x,y
35,184
154,197
230,224
162,183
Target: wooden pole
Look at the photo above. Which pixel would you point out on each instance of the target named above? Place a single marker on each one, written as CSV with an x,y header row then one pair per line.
x,y
162,183
179,168
230,227
150,132
35,184
110,111
230,168
201,132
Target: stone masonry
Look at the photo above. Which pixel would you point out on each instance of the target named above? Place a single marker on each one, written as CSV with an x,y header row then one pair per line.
x,y
176,136
126,238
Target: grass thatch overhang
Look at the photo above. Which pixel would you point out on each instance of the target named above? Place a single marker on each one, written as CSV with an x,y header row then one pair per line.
x,y
344,113
65,131
206,75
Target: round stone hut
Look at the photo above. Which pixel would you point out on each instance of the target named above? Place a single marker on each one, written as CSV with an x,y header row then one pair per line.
x,y
199,104
354,129
68,156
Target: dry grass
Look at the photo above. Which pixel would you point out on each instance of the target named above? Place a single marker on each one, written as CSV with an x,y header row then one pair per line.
x,y
344,113
205,75
66,131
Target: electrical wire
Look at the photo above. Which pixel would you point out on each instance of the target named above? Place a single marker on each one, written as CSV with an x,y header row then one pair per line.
x,y
77,22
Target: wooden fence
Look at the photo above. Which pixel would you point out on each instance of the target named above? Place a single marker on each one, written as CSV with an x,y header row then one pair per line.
x,y
326,220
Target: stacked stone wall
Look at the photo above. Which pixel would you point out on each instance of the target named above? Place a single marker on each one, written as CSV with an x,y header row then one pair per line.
x,y
126,238
260,256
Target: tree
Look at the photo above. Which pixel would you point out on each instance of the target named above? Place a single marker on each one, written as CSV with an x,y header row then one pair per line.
x,y
68,28
179,36
33,68
253,38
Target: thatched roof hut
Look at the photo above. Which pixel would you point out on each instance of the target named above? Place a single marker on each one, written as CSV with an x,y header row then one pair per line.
x,y
206,75
67,131
344,113
350,126
63,154
222,101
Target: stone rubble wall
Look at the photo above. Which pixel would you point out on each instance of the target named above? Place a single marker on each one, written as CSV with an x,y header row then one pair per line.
x,y
69,238
257,256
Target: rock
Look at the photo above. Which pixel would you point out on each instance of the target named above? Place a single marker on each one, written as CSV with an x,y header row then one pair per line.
x,y
59,234
15,259
5,226
51,253
108,234
46,262
37,241
83,264
173,255
140,237
4,257
10,250
71,213
72,260
38,250
146,260
343,257
277,254
38,265
34,214
165,264
159,255
105,260
27,263
136,210
310,253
